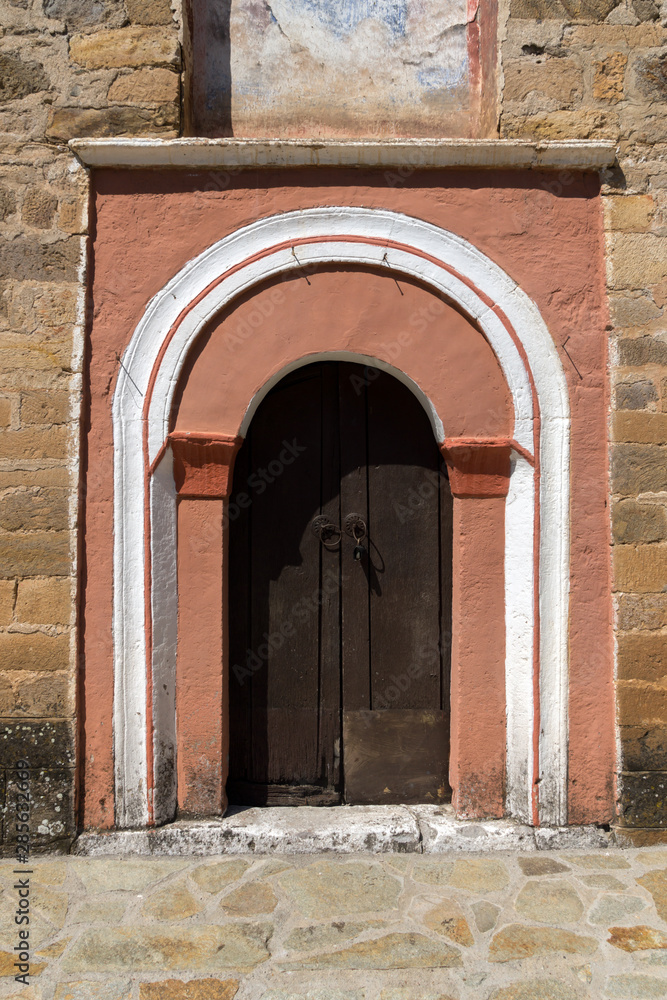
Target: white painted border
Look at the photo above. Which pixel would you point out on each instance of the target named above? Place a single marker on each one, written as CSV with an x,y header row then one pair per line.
x,y
418,154
138,363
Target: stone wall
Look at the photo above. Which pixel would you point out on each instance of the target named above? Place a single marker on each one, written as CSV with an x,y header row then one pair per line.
x,y
588,69
67,68
568,69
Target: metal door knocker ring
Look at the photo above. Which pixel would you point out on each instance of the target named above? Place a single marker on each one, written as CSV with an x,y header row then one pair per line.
x,y
327,532
355,526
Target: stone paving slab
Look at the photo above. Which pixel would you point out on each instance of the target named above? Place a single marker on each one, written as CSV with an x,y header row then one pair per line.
x,y
528,925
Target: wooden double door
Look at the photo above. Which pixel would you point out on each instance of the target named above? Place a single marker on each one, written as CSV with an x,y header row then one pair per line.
x,y
340,540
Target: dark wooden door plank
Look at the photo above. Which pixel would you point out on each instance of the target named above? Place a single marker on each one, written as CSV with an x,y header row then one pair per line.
x,y
352,388
403,475
396,756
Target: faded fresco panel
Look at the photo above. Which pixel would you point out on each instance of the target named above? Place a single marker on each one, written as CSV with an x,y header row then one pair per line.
x,y
357,68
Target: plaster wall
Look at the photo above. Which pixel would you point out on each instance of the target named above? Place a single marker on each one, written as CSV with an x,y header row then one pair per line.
x,y
149,225
326,68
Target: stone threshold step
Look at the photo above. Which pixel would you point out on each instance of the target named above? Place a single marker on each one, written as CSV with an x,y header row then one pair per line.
x,y
342,829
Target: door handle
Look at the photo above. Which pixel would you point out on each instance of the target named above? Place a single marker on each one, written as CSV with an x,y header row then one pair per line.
x,y
327,532
355,526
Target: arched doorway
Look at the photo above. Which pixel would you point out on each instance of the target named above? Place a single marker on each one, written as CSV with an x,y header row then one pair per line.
x,y
340,529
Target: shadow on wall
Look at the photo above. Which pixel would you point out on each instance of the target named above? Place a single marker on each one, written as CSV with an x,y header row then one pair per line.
x,y
211,86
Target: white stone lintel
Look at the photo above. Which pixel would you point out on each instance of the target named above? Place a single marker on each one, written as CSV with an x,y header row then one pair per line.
x,y
417,154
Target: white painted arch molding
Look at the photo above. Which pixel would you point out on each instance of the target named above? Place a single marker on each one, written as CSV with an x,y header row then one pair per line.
x,y
451,266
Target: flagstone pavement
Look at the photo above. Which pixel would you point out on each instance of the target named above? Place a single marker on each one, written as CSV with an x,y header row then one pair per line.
x,y
542,925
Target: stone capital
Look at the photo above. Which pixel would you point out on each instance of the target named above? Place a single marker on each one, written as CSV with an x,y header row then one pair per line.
x,y
478,468
203,463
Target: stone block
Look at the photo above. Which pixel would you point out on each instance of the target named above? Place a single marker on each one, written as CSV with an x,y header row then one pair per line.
x,y
646,10
531,989
149,11
642,428
329,889
26,259
39,208
636,395
642,657
634,986
56,475
44,602
148,949
39,553
633,352
641,704
551,901
598,860
127,874
135,46
42,407
44,744
5,411
638,468
7,203
250,900
216,876
638,259
656,883
486,915
479,875
631,310
85,13
7,598
629,213
317,937
72,216
448,920
651,76
106,908
173,902
609,77
34,509
146,86
73,123
558,80
25,695
644,748
52,810
562,10
19,78
393,951
634,522
196,989
516,941
643,799
640,569
114,989
34,651
643,611
580,124
532,865
32,365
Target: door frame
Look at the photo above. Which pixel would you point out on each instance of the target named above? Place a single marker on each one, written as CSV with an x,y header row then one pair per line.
x,y
537,551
